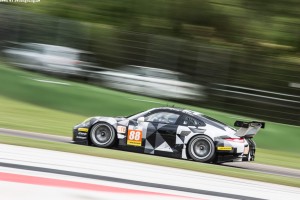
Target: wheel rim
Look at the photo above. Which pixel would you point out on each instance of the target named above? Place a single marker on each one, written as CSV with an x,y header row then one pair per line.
x,y
102,134
201,148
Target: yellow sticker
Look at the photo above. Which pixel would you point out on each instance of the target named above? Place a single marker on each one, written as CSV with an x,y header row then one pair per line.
x,y
225,148
134,137
83,130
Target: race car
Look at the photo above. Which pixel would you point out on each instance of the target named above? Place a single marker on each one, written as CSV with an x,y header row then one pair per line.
x,y
172,132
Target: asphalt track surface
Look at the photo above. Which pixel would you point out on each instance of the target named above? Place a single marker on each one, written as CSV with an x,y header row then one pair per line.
x,y
43,173
268,169
127,181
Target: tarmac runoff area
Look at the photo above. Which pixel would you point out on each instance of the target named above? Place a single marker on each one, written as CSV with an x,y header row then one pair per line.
x,y
267,169
30,173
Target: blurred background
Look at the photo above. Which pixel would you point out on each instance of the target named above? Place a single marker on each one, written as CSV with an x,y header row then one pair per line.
x,y
235,56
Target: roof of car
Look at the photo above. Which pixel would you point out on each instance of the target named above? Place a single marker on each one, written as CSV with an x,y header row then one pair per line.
x,y
191,112
169,108
198,115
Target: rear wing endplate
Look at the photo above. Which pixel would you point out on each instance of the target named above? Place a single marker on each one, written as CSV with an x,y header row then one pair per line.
x,y
248,129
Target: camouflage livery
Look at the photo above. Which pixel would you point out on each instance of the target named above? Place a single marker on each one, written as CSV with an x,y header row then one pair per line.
x,y
172,132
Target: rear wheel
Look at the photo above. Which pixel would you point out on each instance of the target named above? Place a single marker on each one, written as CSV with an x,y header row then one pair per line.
x,y
251,154
201,148
103,135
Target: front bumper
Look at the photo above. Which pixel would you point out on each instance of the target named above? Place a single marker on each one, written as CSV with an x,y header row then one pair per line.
x,y
80,135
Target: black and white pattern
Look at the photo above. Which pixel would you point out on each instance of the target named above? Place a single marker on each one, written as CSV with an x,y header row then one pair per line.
x,y
169,131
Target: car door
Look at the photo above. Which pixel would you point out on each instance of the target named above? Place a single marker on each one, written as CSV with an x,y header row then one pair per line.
x,y
160,137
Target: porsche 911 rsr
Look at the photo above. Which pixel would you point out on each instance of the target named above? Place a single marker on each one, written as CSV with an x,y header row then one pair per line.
x,y
172,132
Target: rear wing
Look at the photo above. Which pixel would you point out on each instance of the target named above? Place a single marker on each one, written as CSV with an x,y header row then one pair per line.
x,y
248,129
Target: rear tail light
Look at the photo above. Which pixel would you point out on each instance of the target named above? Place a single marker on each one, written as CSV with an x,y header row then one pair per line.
x,y
239,140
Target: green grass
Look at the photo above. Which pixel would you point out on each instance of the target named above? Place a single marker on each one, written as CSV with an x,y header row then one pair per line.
x,y
27,104
24,116
150,159
76,98
278,158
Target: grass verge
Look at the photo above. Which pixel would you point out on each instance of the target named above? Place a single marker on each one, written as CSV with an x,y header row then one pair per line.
x,y
154,160
278,158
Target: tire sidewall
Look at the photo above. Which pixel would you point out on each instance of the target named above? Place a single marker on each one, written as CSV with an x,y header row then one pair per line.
x,y
252,153
94,141
192,154
249,156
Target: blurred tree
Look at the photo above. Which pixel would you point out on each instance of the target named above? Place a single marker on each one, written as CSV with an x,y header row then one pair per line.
x,y
251,44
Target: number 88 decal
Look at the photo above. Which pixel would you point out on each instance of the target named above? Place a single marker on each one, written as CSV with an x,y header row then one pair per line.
x,y
134,137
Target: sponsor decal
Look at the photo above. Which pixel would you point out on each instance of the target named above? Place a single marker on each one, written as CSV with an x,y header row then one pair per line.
x,y
224,148
134,137
121,129
81,133
83,130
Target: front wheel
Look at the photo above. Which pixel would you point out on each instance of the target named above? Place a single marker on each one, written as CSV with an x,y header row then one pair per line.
x,y
201,148
103,135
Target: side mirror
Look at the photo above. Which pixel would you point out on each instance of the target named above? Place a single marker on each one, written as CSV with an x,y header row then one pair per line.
x,y
140,120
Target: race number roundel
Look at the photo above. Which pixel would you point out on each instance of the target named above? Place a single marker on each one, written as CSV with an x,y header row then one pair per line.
x,y
134,137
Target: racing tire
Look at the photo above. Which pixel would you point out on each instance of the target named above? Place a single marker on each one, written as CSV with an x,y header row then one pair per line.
x,y
250,156
103,135
201,149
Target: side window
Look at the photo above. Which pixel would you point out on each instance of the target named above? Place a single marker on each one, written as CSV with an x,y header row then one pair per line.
x,y
190,121
163,117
